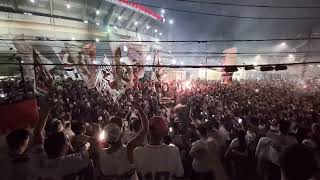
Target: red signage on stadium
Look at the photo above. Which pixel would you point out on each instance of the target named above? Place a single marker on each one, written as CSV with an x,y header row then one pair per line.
x,y
137,7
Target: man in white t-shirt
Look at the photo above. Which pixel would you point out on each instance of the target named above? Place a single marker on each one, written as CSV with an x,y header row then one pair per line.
x,y
157,160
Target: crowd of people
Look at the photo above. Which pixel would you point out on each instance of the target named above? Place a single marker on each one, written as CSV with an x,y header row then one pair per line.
x,y
208,130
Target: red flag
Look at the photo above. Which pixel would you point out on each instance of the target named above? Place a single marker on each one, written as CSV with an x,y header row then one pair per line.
x,y
43,78
18,115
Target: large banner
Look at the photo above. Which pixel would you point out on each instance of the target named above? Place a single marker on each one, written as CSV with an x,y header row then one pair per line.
x,y
18,115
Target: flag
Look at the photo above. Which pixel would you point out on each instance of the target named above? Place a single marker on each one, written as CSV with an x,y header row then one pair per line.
x,y
18,115
43,78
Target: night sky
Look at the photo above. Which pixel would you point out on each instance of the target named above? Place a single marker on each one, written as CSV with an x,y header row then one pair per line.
x,y
202,27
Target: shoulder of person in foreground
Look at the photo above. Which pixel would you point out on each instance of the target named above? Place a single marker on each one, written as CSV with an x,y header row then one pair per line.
x,y
67,165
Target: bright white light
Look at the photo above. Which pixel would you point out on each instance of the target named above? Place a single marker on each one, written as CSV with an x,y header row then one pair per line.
x,y
187,85
32,1
73,38
102,135
171,21
160,34
290,56
115,27
174,61
170,129
156,30
22,61
239,121
68,6
119,17
136,23
257,90
283,44
125,48
85,21
2,95
164,20
98,24
97,12
148,27
181,63
148,58
97,40
163,11
156,40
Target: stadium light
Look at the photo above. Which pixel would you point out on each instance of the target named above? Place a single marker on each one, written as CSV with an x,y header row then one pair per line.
x,y
85,21
32,1
136,23
68,6
156,30
171,21
97,40
160,34
97,12
162,11
148,27
98,24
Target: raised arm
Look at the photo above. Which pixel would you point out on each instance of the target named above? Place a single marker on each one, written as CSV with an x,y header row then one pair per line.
x,y
45,110
139,138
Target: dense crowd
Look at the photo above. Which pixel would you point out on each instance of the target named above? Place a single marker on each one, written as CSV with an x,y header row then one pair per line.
x,y
242,130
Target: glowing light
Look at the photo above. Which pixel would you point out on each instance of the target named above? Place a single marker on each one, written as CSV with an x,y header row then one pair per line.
x,y
171,21
136,23
98,24
156,40
85,21
148,27
181,63
119,17
304,86
257,90
2,95
283,44
239,121
68,6
290,56
73,38
160,34
97,40
187,85
163,11
125,48
115,27
148,58
97,12
102,136
156,30
170,129
32,1
174,61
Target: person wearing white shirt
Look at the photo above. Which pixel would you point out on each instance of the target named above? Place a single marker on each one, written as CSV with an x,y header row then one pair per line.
x,y
157,160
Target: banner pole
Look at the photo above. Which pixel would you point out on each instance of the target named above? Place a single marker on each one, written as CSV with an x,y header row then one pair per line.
x,y
22,76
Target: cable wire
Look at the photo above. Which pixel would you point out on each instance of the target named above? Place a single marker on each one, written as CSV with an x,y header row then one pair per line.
x,y
170,41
